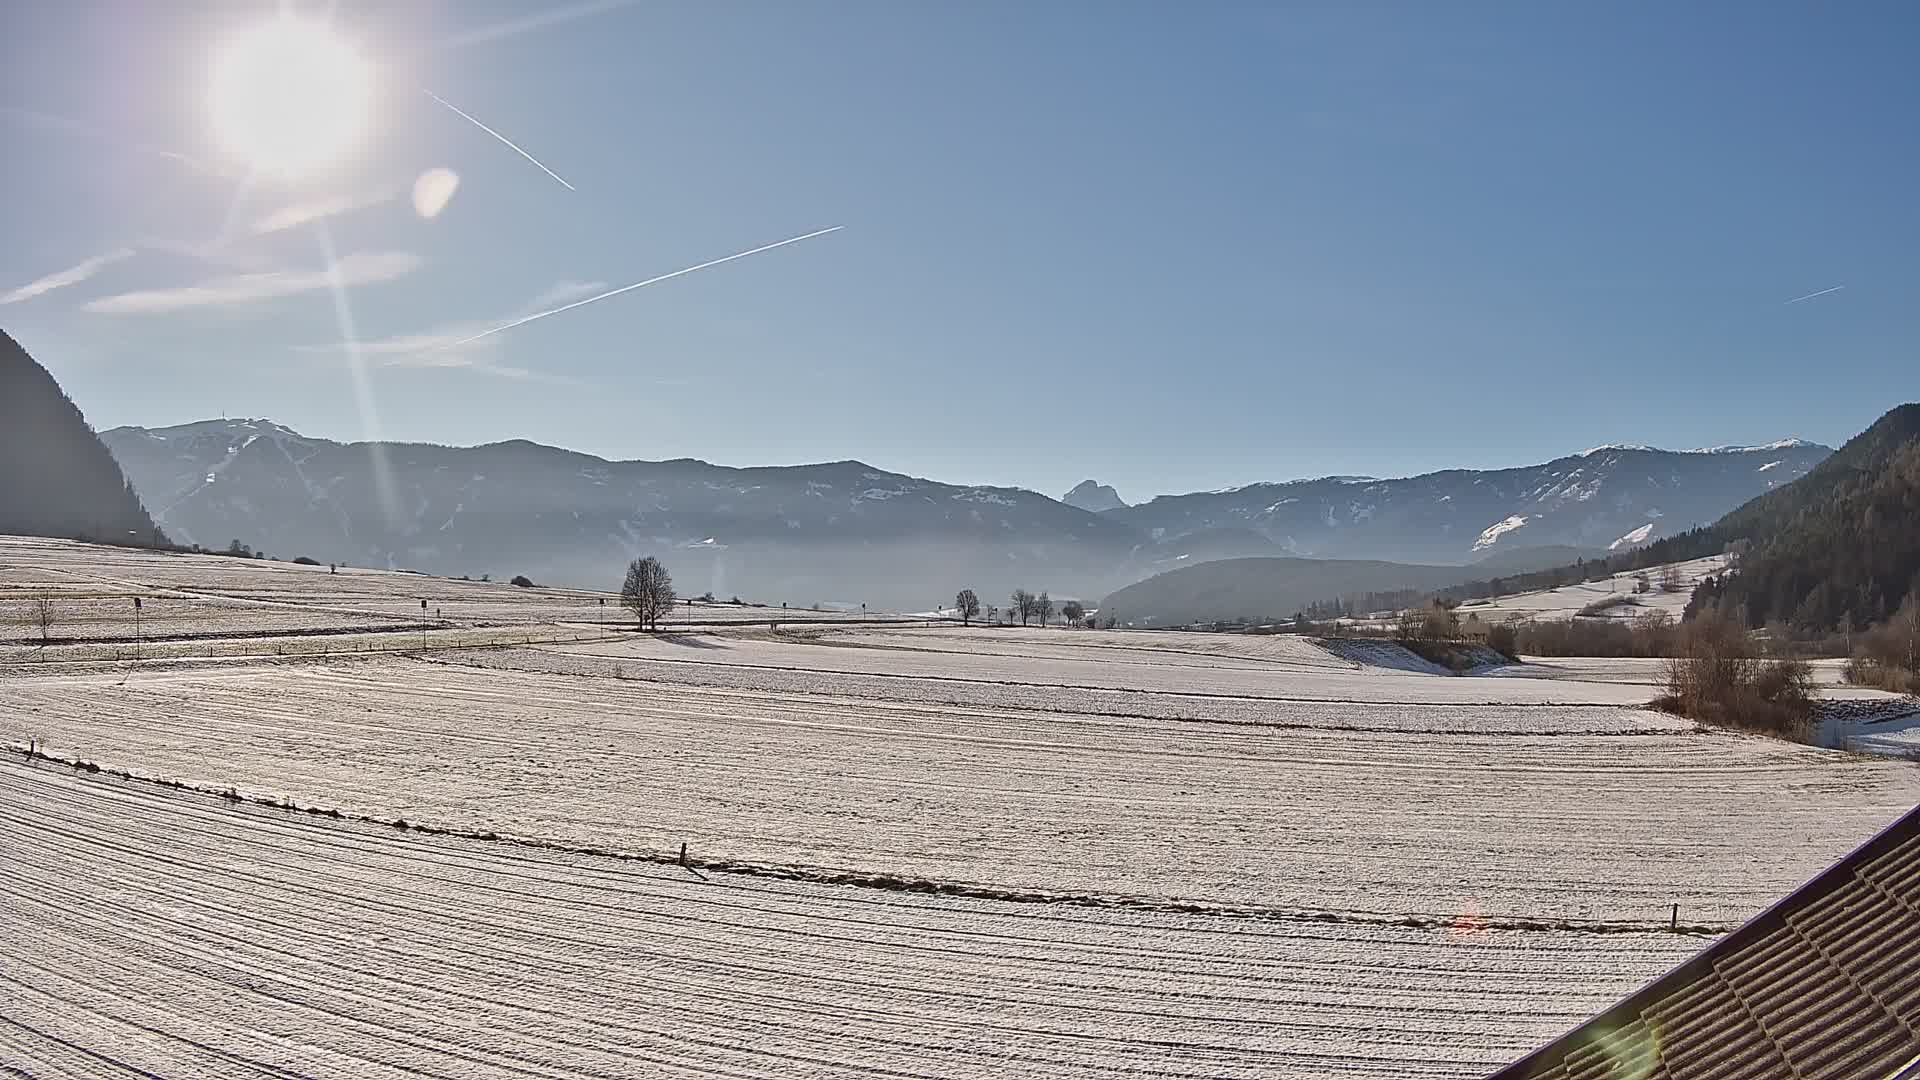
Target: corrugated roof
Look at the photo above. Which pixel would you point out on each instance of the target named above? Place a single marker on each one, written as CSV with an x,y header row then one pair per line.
x,y
1824,985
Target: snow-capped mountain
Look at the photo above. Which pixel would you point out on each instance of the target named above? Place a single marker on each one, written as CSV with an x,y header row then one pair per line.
x,y
849,532
1614,497
1093,497
835,532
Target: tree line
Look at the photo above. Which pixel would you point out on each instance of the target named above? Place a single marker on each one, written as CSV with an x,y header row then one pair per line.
x,y
1022,604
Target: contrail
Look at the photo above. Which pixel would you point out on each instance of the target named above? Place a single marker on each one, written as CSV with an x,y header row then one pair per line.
x,y
502,138
1811,295
629,288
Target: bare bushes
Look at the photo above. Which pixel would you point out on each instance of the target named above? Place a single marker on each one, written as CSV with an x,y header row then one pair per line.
x,y
1435,622
1715,676
1888,656
1504,638
1608,603
1651,634
1865,671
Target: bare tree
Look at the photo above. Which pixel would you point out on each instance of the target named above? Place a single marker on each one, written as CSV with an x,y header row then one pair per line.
x,y
1892,648
1022,605
1670,580
1074,612
967,604
1043,607
648,591
40,616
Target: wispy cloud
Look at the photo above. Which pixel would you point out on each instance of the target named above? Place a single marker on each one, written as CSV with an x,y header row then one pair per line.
x,y
415,351
463,345
655,280
402,344
470,361
303,213
214,253
1811,295
516,27
72,275
70,126
360,268
562,292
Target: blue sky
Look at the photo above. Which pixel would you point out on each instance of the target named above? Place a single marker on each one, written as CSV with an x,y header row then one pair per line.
x,y
1166,246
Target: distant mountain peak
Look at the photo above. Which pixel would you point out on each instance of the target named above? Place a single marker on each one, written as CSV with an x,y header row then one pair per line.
x,y
1791,443
1093,497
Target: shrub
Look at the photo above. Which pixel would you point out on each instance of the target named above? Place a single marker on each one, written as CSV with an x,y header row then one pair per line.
x,y
1866,671
1608,603
1888,656
522,580
1504,639
1435,622
1716,678
1651,634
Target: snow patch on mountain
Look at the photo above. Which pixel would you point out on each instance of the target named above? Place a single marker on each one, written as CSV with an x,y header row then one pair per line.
x,y
1494,532
1794,443
1637,536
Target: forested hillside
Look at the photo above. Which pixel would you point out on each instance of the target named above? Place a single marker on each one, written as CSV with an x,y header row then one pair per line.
x,y
1836,549
56,479
1841,548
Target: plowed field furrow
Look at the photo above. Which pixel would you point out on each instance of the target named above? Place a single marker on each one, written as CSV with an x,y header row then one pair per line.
x,y
1606,827
158,933
1366,983
773,658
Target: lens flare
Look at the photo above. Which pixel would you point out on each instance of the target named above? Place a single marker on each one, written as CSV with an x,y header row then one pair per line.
x,y
433,190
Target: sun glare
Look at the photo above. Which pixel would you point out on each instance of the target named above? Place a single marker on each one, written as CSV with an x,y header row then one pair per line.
x,y
289,97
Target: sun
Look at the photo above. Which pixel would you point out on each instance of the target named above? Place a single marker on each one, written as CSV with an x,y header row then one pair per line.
x,y
289,97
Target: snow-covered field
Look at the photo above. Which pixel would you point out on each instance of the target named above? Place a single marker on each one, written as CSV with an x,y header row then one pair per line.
x,y
203,598
154,933
1567,601
954,852
1312,806
1649,674
1296,670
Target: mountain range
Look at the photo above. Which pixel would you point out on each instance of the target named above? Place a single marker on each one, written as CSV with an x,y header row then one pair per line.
x,y
1609,497
848,532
